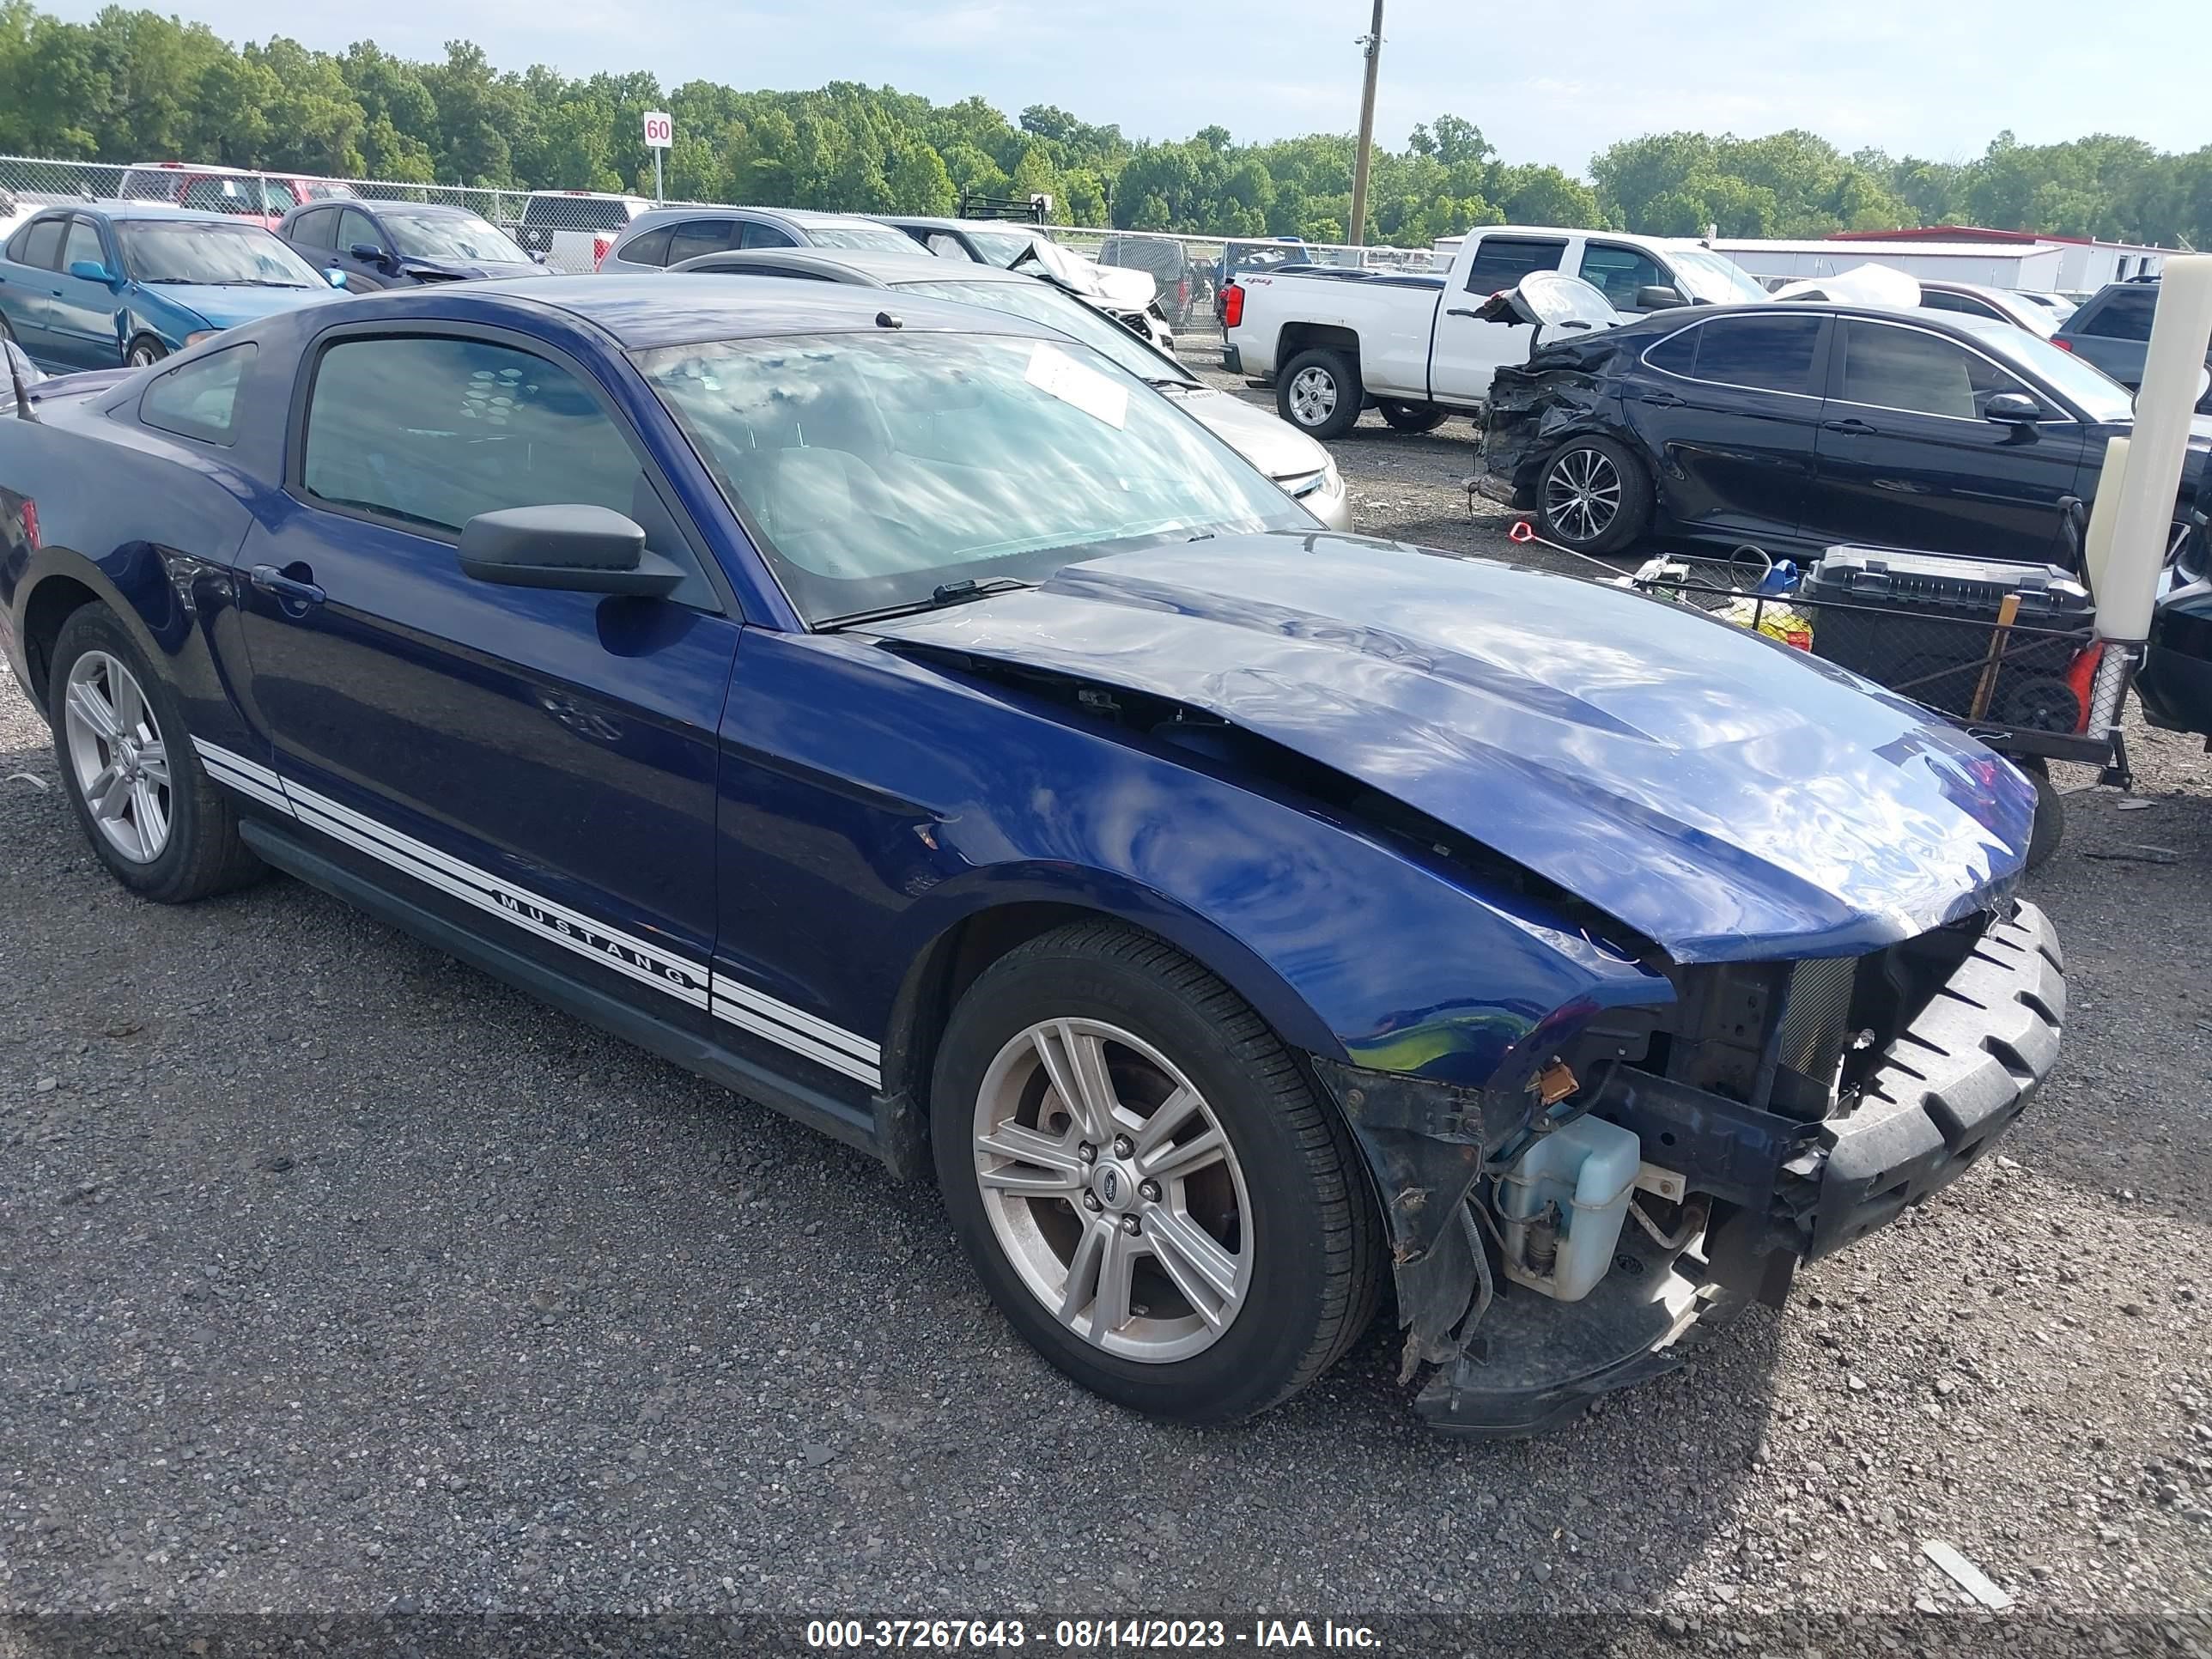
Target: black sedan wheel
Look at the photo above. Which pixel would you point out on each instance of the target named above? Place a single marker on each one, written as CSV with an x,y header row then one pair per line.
x,y
1412,417
1148,1186
1593,496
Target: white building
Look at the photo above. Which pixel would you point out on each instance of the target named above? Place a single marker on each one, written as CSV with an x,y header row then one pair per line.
x,y
1963,254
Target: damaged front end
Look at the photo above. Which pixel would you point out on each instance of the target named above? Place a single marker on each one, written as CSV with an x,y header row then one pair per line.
x,y
1555,1235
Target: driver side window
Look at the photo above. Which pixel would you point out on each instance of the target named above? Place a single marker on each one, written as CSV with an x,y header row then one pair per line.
x,y
1619,272
432,430
355,226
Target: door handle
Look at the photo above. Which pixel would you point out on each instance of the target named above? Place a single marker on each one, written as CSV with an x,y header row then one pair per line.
x,y
1459,310
271,581
1854,426
1663,400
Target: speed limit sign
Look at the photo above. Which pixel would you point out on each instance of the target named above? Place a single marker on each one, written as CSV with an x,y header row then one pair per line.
x,y
659,130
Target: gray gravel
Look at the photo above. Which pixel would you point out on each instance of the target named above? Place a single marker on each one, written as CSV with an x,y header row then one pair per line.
x,y
334,1275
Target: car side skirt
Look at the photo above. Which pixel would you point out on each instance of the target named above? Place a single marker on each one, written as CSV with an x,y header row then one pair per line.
x,y
854,1125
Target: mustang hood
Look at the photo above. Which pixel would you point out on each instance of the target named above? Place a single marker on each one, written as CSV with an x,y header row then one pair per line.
x,y
1725,796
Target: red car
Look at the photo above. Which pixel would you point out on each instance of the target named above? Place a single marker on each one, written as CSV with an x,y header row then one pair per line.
x,y
266,197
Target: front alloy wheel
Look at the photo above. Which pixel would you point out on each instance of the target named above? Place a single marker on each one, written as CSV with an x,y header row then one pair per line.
x,y
1111,1187
144,354
116,750
1582,495
1146,1180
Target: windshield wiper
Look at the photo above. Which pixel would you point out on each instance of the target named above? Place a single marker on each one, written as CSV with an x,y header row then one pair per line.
x,y
943,594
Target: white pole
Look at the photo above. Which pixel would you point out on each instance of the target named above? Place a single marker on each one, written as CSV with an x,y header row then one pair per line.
x,y
2097,541
656,177
2142,524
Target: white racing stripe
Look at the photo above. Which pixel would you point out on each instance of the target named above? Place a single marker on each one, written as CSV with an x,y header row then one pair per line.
x,y
685,978
249,778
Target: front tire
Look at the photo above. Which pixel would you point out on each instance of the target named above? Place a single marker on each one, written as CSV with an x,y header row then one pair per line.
x,y
1412,418
1593,496
145,352
1319,392
1147,1185
129,770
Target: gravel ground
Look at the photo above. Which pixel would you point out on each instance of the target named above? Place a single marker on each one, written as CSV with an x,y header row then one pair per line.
x,y
336,1276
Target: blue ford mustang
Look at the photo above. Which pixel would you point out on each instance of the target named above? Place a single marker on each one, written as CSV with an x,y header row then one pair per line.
x,y
910,720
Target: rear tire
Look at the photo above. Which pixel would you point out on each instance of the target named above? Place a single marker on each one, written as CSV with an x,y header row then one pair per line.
x,y
1261,1165
167,833
1593,496
1412,418
1319,392
2050,827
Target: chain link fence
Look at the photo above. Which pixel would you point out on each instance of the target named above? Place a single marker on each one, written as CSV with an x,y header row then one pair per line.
x,y
572,228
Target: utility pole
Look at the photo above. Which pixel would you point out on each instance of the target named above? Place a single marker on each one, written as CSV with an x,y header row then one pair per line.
x,y
1372,42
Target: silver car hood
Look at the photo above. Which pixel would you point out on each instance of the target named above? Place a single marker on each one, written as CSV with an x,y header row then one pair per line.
x,y
1276,447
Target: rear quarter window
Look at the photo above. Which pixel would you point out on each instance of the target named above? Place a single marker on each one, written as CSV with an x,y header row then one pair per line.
x,y
199,399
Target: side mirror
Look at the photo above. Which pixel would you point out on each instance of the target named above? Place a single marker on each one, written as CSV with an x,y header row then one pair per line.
x,y
2013,408
587,549
1658,296
537,256
91,270
367,253
334,277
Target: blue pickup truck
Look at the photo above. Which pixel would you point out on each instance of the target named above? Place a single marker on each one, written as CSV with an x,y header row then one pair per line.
x,y
910,720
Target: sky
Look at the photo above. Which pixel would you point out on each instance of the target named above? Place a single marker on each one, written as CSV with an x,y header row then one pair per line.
x,y
1545,81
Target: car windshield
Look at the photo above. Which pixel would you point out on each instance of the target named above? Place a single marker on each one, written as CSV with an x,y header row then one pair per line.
x,y
450,236
193,251
2099,396
1002,247
883,470
1716,281
1056,309
859,235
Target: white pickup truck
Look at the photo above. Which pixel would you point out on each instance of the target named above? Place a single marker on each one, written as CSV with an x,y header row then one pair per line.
x,y
1336,341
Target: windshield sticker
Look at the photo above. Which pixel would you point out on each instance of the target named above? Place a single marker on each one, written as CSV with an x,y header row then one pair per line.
x,y
1053,372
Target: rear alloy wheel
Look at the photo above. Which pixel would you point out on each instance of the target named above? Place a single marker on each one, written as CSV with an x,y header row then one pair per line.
x,y
1412,417
144,353
117,756
128,766
1319,392
1144,1180
1593,496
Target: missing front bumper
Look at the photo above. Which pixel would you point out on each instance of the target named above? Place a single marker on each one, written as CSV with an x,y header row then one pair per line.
x,y
1786,1189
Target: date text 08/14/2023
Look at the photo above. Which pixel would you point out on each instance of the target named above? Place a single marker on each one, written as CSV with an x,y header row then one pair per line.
x,y
1080,1635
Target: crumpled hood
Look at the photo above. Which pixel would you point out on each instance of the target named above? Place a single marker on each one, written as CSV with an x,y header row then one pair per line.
x,y
465,270
1724,795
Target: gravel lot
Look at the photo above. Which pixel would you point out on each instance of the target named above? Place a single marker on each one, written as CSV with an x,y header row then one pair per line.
x,y
334,1275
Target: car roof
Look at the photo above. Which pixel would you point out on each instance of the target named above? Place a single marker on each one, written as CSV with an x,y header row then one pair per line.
x,y
1020,227
801,217
1682,316
117,210
883,265
664,309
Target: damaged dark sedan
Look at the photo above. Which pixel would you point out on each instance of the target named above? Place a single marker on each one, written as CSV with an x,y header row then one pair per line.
x,y
1796,427
913,721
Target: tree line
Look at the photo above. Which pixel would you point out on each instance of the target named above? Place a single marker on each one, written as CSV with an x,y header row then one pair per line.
x,y
132,86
